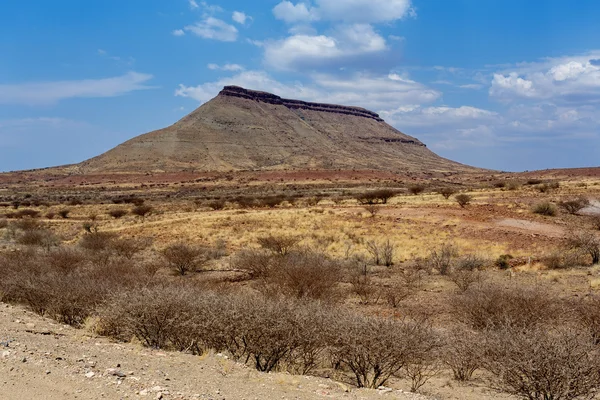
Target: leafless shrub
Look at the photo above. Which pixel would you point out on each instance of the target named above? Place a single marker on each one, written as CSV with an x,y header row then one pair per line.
x,y
463,352
412,275
64,213
38,237
566,258
372,209
142,210
217,204
27,213
65,260
3,223
375,349
304,275
152,315
395,292
183,258
388,251
466,271
118,213
129,247
27,225
425,362
279,244
382,253
492,306
586,241
587,314
574,206
463,199
245,202
373,249
50,215
512,185
257,263
442,258
464,278
416,189
542,363
363,286
447,192
97,241
270,201
595,219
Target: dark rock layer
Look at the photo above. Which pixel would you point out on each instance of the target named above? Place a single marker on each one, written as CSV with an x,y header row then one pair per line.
x,y
236,91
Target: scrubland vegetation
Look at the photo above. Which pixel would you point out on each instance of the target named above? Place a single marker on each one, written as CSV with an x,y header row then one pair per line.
x,y
363,287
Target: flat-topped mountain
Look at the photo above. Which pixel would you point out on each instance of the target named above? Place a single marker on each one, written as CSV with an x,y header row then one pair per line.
x,y
243,129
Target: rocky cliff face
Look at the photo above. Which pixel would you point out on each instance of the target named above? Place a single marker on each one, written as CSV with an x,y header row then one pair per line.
x,y
236,91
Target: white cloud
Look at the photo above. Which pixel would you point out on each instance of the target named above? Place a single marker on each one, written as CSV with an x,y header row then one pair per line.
x,y
294,13
308,51
52,92
193,4
226,67
350,11
372,92
178,32
240,17
213,28
574,79
364,11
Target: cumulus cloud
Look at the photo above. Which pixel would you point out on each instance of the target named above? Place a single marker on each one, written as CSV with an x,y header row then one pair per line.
x,y
294,13
566,80
214,28
308,51
51,92
178,32
350,39
240,17
351,11
193,4
372,92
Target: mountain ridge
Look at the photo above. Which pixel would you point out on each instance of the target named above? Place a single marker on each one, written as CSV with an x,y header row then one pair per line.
x,y
242,129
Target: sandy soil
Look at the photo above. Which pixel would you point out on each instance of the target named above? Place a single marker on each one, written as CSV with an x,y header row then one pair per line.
x,y
40,359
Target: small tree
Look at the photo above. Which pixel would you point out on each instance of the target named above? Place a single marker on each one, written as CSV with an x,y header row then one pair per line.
x,y
463,199
416,189
278,244
183,258
446,192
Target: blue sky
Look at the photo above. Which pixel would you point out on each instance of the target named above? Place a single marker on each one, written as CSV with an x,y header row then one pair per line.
x,y
505,84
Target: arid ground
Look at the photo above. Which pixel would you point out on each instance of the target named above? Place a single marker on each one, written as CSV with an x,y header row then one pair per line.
x,y
513,231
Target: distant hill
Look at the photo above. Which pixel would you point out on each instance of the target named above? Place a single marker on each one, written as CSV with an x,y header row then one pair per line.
x,y
242,129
